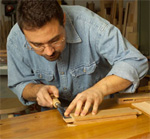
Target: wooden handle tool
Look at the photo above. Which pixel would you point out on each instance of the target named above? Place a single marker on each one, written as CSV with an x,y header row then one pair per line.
x,y
56,102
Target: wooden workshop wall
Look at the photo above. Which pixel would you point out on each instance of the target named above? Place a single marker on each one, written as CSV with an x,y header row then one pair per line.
x,y
122,14
5,26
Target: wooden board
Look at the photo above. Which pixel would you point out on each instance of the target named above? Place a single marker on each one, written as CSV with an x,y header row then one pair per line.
x,y
129,29
3,56
125,19
11,105
144,88
120,14
143,106
141,136
133,38
125,98
104,115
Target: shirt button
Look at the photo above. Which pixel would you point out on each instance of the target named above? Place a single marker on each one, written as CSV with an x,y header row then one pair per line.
x,y
65,88
62,73
40,75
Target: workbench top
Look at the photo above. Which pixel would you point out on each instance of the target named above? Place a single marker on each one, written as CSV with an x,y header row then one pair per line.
x,y
49,124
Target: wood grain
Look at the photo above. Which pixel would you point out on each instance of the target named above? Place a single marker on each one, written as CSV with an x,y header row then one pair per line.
x,y
104,115
143,106
132,97
142,136
50,125
125,19
120,14
11,105
103,120
144,88
56,101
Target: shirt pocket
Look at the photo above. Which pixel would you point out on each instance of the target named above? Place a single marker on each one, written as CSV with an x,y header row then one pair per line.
x,y
44,76
83,70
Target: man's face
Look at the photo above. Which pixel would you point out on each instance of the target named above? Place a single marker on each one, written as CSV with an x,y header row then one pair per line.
x,y
47,41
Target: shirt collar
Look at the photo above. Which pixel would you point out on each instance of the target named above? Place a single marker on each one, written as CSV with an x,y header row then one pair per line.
x,y
71,34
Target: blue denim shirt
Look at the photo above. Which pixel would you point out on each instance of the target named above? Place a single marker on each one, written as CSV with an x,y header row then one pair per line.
x,y
94,49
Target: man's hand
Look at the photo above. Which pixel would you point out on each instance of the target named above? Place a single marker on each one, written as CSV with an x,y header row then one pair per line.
x,y
83,101
44,95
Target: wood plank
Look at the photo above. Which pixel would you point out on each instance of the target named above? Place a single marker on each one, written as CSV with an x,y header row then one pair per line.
x,y
133,38
3,55
129,29
141,136
125,19
73,2
102,8
91,6
105,4
114,12
3,51
120,14
125,98
102,120
104,115
143,106
144,88
131,13
11,105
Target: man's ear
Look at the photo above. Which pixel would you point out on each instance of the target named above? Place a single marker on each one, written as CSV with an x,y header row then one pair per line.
x,y
64,21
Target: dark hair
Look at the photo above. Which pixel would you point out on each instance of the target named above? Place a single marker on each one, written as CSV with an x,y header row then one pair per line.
x,y
32,14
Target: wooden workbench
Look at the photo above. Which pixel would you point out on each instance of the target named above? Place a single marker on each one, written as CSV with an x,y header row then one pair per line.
x,y
49,125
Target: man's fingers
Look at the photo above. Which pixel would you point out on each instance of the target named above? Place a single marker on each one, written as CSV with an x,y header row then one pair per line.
x,y
44,99
95,107
53,90
48,100
40,99
79,107
86,107
70,108
72,105
87,99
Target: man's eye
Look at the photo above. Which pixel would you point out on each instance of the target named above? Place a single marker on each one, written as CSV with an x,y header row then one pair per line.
x,y
55,42
37,45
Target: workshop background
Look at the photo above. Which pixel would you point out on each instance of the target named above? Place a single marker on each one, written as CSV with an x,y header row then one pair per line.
x,y
132,17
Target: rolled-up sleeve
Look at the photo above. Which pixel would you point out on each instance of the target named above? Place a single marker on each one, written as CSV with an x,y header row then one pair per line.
x,y
127,62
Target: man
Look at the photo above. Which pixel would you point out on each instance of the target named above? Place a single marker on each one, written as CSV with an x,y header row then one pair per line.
x,y
70,53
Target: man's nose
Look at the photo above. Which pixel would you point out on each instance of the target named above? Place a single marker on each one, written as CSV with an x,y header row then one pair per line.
x,y
48,50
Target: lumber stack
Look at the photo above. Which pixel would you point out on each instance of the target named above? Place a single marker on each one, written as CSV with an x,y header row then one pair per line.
x,y
123,17
5,27
91,6
3,57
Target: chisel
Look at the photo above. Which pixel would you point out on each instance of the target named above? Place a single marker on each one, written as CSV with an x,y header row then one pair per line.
x,y
57,104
